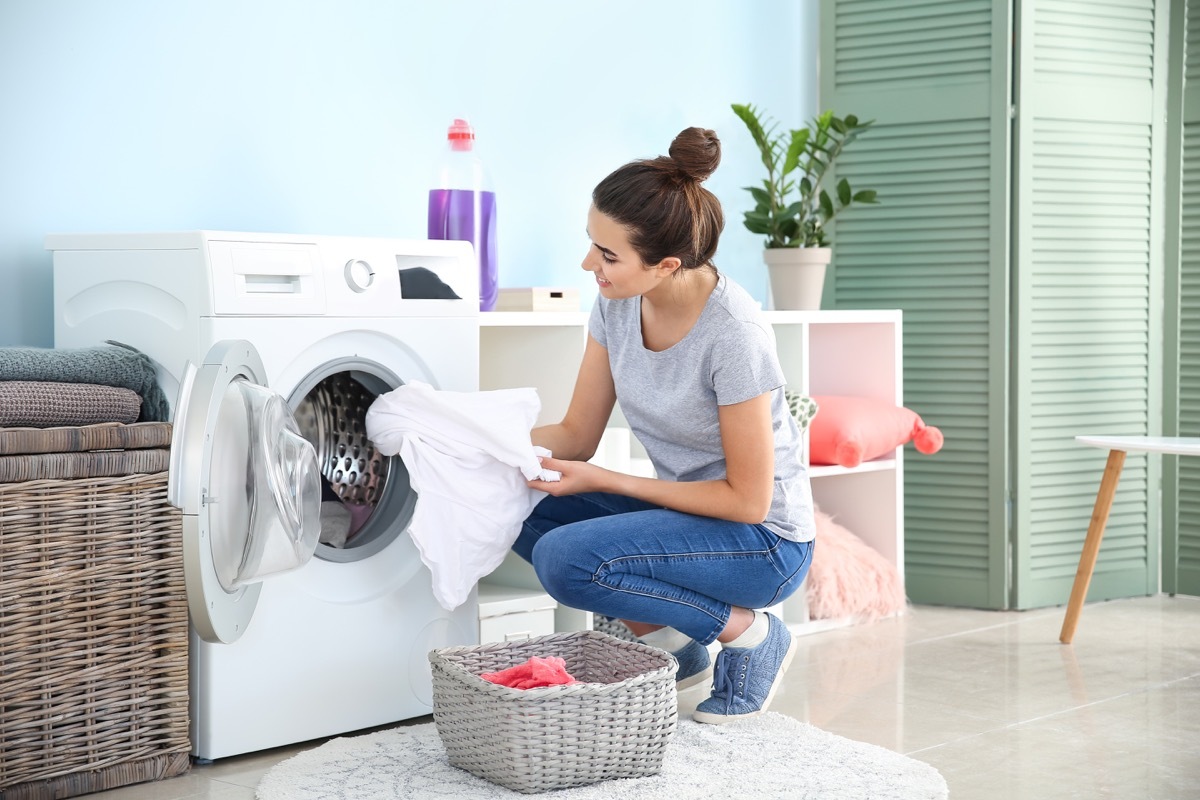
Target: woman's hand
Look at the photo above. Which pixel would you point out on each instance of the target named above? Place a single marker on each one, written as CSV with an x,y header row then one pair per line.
x,y
577,477
743,495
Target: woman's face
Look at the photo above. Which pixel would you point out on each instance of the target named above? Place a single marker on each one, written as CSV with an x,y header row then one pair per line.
x,y
617,267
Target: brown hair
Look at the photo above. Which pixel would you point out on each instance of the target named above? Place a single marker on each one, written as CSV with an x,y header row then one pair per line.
x,y
663,206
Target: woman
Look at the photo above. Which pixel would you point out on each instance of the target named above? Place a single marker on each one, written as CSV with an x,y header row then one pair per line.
x,y
727,525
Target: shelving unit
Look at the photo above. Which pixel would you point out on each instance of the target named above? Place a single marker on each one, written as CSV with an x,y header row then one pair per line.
x,y
533,348
540,349
822,353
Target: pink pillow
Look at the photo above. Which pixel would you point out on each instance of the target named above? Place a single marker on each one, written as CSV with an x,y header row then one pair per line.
x,y
850,430
849,578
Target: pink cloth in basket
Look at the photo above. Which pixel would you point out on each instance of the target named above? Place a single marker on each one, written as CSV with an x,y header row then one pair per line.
x,y
535,672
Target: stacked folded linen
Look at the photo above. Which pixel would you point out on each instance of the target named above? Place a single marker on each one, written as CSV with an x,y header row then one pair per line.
x,y
33,393
46,404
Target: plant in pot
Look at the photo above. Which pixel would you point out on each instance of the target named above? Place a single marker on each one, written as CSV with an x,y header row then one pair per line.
x,y
798,161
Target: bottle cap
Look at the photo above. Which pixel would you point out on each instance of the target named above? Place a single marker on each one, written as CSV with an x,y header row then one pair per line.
x,y
461,135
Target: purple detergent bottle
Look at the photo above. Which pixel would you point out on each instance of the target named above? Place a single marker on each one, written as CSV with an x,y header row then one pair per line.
x,y
463,206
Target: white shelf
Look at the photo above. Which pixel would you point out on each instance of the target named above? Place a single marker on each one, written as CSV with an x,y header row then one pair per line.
x,y
854,352
533,319
857,316
825,471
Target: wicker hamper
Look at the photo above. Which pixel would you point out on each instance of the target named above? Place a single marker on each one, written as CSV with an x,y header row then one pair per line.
x,y
615,723
93,612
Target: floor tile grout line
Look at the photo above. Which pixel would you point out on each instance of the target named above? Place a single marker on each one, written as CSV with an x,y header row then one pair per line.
x,y
242,785
999,729
966,632
1053,714
1027,617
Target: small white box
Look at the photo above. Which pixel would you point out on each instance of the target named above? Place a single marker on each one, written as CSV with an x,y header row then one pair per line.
x,y
508,614
538,298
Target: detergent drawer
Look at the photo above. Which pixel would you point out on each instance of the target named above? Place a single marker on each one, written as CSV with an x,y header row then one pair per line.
x,y
263,278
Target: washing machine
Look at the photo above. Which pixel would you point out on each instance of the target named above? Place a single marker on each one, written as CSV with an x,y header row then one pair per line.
x,y
274,346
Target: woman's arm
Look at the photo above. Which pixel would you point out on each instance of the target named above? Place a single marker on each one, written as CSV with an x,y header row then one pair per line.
x,y
743,496
578,435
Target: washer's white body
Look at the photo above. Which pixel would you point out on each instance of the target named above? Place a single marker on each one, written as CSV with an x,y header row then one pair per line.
x,y
333,646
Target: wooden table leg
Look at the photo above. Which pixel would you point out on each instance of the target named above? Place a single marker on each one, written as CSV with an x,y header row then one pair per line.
x,y
1091,545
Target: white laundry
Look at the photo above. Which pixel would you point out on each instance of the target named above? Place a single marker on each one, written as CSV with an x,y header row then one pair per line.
x,y
468,456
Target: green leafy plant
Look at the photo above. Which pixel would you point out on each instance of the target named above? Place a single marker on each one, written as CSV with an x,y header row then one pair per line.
x,y
811,152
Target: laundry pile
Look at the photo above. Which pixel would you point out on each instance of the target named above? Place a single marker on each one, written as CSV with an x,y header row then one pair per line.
x,y
468,456
533,674
340,519
45,388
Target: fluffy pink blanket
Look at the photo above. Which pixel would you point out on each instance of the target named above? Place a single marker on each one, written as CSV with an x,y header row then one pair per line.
x,y
849,578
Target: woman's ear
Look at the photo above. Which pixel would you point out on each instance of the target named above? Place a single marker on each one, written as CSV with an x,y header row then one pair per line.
x,y
668,265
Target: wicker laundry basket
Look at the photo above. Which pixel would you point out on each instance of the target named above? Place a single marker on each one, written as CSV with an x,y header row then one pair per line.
x,y
615,723
93,612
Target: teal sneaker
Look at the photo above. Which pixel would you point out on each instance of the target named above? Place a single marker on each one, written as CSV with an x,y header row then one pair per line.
x,y
695,667
745,679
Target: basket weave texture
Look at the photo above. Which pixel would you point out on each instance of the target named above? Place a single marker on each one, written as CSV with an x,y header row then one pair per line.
x,y
615,723
93,620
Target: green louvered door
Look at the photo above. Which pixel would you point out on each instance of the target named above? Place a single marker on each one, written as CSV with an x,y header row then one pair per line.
x,y
1087,282
935,76
1026,255
1183,565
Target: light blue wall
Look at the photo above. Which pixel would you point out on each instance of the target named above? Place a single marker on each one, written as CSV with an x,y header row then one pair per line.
x,y
325,117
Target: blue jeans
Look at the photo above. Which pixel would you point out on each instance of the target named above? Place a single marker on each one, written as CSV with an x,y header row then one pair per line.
x,y
628,559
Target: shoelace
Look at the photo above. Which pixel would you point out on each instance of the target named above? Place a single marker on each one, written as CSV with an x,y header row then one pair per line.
x,y
723,678
725,685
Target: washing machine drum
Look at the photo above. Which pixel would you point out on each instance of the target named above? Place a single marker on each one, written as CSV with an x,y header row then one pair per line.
x,y
332,416
366,497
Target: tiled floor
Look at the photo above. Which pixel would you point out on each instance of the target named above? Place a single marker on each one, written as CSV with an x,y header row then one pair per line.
x,y
989,698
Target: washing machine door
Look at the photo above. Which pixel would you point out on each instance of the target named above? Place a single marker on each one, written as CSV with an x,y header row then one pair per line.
x,y
248,485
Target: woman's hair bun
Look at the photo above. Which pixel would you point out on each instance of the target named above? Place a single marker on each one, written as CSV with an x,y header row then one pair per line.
x,y
696,152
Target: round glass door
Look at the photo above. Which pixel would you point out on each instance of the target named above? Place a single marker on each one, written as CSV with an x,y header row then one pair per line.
x,y
247,483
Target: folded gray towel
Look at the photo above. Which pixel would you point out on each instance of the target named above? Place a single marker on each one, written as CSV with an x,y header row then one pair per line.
x,y
115,365
44,404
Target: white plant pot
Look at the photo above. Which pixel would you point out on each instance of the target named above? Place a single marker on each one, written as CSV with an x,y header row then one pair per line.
x,y
797,276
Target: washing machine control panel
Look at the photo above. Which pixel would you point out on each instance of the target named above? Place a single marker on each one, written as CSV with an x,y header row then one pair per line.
x,y
359,275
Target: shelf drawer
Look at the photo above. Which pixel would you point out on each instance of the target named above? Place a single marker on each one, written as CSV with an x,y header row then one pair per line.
x,y
509,614
517,626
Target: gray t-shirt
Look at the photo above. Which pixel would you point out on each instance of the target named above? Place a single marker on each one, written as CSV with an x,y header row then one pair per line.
x,y
670,398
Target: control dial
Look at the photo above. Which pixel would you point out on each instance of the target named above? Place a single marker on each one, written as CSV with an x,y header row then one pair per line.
x,y
359,275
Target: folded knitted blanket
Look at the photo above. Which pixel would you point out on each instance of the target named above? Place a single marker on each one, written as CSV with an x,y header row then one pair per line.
x,y
115,364
42,404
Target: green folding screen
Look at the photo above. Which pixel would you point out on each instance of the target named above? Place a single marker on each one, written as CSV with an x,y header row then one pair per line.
x,y
1087,323
1182,563
1019,166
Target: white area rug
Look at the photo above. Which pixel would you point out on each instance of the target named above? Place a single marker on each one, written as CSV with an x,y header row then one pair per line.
x,y
771,756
